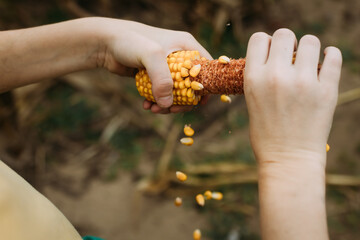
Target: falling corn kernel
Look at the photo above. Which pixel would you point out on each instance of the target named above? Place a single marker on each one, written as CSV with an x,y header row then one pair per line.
x,y
181,176
194,71
217,195
224,59
196,85
208,195
327,147
200,199
178,202
188,130
188,141
197,234
225,98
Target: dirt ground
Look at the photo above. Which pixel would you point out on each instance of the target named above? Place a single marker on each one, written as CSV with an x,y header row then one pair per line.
x,y
102,169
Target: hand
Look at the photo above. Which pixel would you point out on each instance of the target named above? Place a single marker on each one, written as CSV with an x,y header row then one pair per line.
x,y
290,105
132,44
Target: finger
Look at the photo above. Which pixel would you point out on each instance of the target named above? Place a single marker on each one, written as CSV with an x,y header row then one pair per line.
x,y
282,47
308,53
331,68
179,109
158,70
258,50
147,104
155,108
188,42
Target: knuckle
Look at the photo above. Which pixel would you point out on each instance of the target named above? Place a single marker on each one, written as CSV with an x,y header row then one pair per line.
x,y
186,35
156,49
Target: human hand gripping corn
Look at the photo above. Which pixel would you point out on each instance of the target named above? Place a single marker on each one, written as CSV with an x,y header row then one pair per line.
x,y
195,76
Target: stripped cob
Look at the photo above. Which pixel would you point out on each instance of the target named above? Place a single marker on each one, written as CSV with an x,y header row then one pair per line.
x,y
195,76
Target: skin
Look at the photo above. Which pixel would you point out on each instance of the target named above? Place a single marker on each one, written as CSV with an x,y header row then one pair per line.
x,y
31,55
288,127
291,108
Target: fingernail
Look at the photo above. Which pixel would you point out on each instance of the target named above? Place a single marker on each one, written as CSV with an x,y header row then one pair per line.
x,y
165,101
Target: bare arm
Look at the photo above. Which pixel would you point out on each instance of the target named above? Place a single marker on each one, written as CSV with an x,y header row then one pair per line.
x,y
30,55
291,108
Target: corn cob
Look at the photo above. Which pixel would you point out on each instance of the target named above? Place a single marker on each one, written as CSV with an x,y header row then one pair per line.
x,y
195,76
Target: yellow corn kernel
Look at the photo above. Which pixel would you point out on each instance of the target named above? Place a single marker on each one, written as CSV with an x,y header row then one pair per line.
x,y
217,195
176,84
194,71
327,147
188,141
187,64
190,93
196,85
171,66
173,75
181,176
172,60
224,59
200,199
182,84
188,130
197,234
184,92
178,202
208,195
187,82
175,68
184,72
225,98
178,76
180,59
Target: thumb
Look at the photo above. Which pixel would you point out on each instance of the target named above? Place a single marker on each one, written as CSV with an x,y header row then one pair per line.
x,y
162,83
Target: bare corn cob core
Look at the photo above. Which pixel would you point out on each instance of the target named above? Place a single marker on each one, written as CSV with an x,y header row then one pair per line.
x,y
214,77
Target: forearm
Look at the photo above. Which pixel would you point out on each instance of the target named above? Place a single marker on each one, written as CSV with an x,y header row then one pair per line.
x,y
292,197
29,55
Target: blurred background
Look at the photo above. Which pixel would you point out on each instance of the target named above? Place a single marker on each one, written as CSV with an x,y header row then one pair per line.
x,y
85,142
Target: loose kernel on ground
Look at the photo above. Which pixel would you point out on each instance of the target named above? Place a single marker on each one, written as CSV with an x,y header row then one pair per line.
x,y
197,234
208,195
226,99
188,131
217,195
327,147
200,199
181,176
178,202
188,141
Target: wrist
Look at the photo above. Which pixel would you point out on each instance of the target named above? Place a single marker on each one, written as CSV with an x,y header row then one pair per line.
x,y
96,37
292,169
